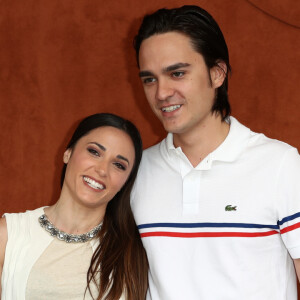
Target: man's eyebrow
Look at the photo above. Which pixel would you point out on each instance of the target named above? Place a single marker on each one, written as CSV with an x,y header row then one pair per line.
x,y
145,73
99,145
165,70
123,158
175,67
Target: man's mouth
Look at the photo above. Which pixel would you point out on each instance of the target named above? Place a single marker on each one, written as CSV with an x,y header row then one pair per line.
x,y
93,184
170,108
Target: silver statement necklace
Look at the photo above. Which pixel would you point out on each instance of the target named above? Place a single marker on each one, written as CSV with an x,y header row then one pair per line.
x,y
66,237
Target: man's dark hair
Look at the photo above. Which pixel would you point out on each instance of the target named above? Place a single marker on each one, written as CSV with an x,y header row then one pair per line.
x,y
206,38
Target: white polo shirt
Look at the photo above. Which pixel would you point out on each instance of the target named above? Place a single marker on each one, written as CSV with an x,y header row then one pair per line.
x,y
226,229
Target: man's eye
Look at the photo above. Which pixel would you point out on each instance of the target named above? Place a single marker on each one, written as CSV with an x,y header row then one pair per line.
x,y
93,151
120,166
149,80
178,74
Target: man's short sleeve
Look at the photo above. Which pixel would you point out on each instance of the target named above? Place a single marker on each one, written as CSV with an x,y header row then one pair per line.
x,y
288,197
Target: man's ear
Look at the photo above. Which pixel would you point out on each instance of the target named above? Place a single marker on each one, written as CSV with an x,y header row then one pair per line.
x,y
67,155
218,74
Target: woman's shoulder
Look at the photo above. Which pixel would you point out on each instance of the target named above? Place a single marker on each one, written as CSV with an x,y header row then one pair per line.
x,y
25,215
20,224
3,239
3,229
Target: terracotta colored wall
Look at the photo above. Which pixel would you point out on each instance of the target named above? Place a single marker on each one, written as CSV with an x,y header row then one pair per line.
x,y
62,60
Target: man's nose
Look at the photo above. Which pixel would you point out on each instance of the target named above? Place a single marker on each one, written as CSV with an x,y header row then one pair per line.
x,y
164,90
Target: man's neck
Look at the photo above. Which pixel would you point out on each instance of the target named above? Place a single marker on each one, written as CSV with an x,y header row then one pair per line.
x,y
196,144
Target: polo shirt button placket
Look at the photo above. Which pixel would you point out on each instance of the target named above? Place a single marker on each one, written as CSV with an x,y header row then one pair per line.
x,y
191,192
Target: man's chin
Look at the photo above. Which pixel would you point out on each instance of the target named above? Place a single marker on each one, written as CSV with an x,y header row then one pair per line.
x,y
173,129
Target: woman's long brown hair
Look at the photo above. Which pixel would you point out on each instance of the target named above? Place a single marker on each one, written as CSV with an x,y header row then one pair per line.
x,y
120,258
119,265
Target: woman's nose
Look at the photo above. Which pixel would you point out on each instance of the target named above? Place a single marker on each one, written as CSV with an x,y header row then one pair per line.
x,y
102,168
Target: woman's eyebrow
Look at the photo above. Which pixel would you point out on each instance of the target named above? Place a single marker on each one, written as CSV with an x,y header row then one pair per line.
x,y
123,158
99,146
104,149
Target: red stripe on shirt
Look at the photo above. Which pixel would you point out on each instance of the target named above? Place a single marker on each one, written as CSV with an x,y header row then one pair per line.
x,y
208,234
290,228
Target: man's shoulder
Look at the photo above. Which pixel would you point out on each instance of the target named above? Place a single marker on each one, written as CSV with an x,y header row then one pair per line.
x,y
265,143
154,152
153,149
156,158
254,140
271,151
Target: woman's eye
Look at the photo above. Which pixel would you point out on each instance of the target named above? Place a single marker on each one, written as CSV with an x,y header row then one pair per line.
x,y
178,74
120,166
93,151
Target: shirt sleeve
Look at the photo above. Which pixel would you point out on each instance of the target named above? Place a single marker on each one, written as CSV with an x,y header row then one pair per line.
x,y
288,196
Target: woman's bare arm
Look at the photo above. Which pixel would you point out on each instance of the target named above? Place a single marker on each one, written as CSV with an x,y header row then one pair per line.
x,y
3,241
297,267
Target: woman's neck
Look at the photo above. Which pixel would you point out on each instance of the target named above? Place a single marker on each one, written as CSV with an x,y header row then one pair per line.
x,y
73,218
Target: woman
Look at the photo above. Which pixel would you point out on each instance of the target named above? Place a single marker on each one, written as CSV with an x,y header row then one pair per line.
x,y
85,246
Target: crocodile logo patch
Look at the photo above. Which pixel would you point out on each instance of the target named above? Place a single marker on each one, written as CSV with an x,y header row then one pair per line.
x,y
230,208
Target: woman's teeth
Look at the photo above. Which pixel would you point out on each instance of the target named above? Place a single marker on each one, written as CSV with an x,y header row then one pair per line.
x,y
92,183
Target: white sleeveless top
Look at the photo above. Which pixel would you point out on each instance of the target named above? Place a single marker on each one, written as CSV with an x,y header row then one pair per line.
x,y
38,266
60,272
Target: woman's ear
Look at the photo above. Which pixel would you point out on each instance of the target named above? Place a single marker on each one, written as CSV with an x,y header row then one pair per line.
x,y
67,155
218,74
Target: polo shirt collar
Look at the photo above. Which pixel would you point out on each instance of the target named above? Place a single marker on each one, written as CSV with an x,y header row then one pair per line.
x,y
235,142
229,150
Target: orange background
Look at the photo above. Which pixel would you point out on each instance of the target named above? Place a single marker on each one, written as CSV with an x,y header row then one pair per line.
x,y
63,60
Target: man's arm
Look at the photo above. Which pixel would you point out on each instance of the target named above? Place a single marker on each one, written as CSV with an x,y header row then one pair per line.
x,y
3,241
297,267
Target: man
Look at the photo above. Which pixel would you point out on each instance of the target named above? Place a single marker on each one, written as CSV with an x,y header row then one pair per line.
x,y
217,205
